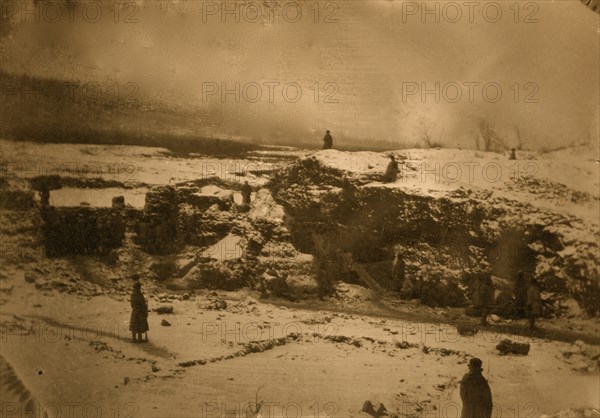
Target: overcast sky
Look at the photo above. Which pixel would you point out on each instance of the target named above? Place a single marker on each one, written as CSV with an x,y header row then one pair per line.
x,y
367,60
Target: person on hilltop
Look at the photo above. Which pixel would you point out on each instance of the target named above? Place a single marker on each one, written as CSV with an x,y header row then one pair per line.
x,y
138,323
327,140
391,172
475,392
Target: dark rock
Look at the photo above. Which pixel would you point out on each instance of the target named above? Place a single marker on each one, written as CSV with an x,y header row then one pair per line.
x,y
165,323
507,346
369,408
466,329
165,309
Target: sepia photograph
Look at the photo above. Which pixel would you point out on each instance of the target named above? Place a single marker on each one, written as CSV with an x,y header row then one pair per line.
x,y
300,208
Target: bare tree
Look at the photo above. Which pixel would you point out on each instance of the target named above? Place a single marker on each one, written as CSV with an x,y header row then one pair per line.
x,y
426,133
519,137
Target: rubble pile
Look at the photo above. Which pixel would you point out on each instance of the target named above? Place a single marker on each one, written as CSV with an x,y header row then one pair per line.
x,y
582,357
208,196
556,190
203,227
14,199
15,195
442,235
213,274
81,230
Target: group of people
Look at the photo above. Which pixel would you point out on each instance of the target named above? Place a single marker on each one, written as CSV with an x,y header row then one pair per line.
x,y
527,296
528,299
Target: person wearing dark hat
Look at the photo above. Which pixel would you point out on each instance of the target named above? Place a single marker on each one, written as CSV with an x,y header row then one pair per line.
x,y
534,302
138,323
475,392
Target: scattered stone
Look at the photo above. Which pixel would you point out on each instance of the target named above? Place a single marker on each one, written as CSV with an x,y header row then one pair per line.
x,y
165,323
466,330
403,345
125,380
155,368
369,408
217,305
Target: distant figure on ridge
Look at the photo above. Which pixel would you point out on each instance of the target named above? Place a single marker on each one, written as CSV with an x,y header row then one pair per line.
x,y
138,324
513,156
475,392
391,173
327,140
246,193
534,302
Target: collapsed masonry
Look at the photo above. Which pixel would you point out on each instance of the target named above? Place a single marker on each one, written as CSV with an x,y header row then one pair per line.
x,y
193,234
186,214
15,195
445,239
81,230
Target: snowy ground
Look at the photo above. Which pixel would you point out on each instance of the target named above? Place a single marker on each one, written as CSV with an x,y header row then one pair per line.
x,y
71,352
79,353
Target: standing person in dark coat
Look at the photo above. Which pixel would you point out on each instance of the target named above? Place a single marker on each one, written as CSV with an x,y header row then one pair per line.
x,y
398,271
534,303
246,193
520,293
327,140
483,297
138,324
475,392
323,266
391,172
